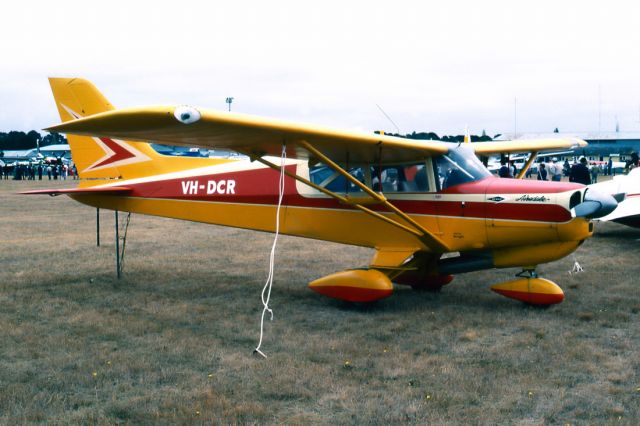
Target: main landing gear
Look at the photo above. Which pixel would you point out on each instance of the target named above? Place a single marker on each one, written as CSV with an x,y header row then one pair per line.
x,y
368,285
433,283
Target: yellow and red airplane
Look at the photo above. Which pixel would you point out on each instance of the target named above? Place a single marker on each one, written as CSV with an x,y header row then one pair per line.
x,y
430,209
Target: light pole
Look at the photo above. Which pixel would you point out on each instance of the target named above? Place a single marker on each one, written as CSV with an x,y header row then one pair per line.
x,y
229,100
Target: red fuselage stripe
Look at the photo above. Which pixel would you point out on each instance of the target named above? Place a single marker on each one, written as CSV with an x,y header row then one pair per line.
x,y
257,187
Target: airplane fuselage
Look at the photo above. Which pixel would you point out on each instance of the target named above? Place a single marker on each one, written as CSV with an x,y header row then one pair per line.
x,y
430,209
495,214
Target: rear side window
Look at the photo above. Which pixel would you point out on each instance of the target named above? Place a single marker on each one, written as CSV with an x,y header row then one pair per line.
x,y
404,178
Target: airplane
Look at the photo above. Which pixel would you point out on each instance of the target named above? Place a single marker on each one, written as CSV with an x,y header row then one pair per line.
x,y
429,209
626,190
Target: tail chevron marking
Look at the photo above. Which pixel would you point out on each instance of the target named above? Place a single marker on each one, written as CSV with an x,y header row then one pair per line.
x,y
117,152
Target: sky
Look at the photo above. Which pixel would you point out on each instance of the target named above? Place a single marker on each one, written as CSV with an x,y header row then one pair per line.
x,y
498,66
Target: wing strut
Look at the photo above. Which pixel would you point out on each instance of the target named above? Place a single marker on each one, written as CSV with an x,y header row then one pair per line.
x,y
526,166
427,237
339,197
418,230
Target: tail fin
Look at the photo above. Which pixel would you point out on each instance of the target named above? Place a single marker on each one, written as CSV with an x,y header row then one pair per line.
x,y
104,158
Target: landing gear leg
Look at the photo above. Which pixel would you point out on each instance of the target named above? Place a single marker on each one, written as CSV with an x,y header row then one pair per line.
x,y
527,273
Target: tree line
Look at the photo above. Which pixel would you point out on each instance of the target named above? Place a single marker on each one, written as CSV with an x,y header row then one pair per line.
x,y
20,140
447,138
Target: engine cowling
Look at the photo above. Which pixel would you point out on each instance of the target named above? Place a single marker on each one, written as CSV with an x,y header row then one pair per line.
x,y
358,285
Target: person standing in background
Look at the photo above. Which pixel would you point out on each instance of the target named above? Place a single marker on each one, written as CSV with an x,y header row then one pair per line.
x,y
555,170
580,173
504,171
595,170
542,172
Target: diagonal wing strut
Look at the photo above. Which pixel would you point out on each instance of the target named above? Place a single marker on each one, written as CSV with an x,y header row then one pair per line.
x,y
528,164
428,238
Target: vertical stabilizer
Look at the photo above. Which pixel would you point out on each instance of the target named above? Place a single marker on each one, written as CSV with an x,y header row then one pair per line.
x,y
99,158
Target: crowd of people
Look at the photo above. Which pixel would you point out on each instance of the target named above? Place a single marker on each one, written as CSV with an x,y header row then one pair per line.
x,y
579,172
38,171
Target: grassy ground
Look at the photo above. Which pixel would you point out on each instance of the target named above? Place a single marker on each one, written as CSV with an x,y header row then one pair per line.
x,y
172,341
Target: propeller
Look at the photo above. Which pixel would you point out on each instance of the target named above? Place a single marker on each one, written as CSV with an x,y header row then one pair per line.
x,y
594,205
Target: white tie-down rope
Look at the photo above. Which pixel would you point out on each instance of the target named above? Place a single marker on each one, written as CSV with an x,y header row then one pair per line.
x,y
266,290
576,267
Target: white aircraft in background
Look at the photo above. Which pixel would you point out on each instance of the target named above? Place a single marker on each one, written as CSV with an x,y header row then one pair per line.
x,y
626,190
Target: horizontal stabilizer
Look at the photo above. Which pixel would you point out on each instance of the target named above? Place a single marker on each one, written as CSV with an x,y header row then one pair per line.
x,y
115,190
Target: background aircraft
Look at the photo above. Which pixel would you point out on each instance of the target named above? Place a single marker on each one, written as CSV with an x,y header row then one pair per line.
x,y
429,209
626,189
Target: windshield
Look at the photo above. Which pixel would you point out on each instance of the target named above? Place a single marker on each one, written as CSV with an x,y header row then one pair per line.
x,y
459,165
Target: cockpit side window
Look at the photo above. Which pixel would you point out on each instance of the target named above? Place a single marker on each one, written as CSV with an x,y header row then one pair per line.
x,y
459,165
395,178
400,178
328,178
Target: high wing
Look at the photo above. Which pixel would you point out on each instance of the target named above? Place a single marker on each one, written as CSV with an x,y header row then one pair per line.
x,y
260,136
527,145
251,135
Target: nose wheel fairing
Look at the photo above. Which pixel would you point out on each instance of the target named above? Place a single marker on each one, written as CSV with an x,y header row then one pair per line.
x,y
531,289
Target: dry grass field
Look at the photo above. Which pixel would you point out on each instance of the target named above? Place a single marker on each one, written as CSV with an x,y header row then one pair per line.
x,y
172,341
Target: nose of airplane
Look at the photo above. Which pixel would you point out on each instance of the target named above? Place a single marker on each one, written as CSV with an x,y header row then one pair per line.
x,y
595,205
